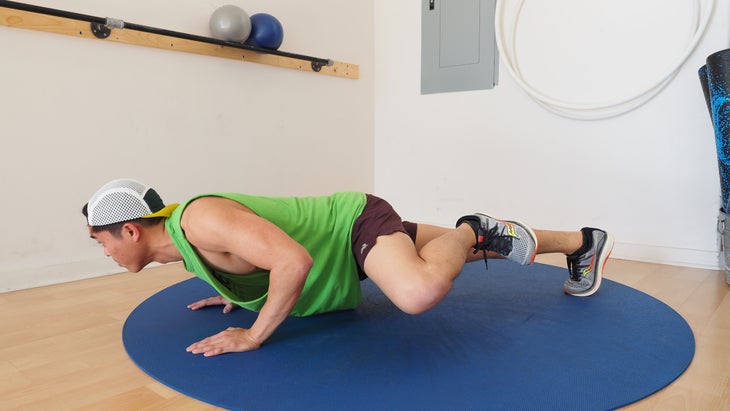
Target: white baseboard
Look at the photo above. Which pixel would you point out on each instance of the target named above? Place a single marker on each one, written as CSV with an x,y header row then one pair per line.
x,y
55,274
667,255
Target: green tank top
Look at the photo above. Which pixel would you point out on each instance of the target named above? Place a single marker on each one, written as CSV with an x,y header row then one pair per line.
x,y
323,225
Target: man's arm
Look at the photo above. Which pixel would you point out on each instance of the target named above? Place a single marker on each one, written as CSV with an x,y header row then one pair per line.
x,y
217,225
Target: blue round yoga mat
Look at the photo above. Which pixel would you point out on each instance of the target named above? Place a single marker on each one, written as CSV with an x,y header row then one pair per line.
x,y
506,338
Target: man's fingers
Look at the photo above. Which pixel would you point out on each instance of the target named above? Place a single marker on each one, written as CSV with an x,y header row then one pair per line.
x,y
214,345
208,301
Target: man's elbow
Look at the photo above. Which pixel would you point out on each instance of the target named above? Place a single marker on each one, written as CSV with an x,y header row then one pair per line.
x,y
294,265
300,265
305,264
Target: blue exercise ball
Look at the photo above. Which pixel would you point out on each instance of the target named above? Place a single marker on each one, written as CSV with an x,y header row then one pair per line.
x,y
266,31
230,23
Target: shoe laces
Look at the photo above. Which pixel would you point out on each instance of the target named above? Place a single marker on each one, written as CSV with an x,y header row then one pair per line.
x,y
574,268
576,261
493,240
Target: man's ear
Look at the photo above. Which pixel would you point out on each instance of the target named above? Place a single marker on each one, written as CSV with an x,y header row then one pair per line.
x,y
131,231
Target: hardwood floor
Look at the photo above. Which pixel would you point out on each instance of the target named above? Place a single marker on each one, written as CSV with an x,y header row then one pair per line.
x,y
61,347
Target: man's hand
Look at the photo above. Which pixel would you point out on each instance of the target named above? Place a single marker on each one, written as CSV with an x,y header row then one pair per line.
x,y
219,300
231,340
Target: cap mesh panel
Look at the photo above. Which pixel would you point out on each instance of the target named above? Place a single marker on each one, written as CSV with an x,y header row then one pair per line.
x,y
117,201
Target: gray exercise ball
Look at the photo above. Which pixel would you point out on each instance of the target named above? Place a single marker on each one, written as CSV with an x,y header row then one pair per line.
x,y
230,23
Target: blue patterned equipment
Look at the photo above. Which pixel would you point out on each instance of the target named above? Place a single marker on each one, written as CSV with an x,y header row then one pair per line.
x,y
715,81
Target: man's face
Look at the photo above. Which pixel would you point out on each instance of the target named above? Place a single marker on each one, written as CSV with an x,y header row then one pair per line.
x,y
122,249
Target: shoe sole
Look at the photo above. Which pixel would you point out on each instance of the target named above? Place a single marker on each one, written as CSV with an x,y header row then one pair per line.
x,y
602,259
534,240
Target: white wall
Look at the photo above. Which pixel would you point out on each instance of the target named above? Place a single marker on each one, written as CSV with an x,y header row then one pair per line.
x,y
75,113
649,176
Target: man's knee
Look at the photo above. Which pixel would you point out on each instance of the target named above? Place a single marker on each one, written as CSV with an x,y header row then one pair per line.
x,y
419,298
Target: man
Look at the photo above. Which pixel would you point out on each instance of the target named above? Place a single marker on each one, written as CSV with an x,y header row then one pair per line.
x,y
306,255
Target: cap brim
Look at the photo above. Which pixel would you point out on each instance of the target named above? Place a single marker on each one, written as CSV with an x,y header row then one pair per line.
x,y
164,212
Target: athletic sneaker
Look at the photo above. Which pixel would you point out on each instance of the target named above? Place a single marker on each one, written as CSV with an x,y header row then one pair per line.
x,y
510,239
586,264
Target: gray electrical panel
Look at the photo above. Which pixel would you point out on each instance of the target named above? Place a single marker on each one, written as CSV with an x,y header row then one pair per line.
x,y
458,48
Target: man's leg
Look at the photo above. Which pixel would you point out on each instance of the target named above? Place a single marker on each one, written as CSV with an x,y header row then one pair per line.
x,y
565,242
587,252
416,279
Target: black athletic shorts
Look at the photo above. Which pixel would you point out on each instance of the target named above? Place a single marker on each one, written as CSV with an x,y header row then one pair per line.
x,y
377,218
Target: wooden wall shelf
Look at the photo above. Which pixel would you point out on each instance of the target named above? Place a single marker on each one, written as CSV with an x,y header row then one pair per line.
x,y
21,15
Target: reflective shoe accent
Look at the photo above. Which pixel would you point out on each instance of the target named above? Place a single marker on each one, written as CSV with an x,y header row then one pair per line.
x,y
586,264
510,239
